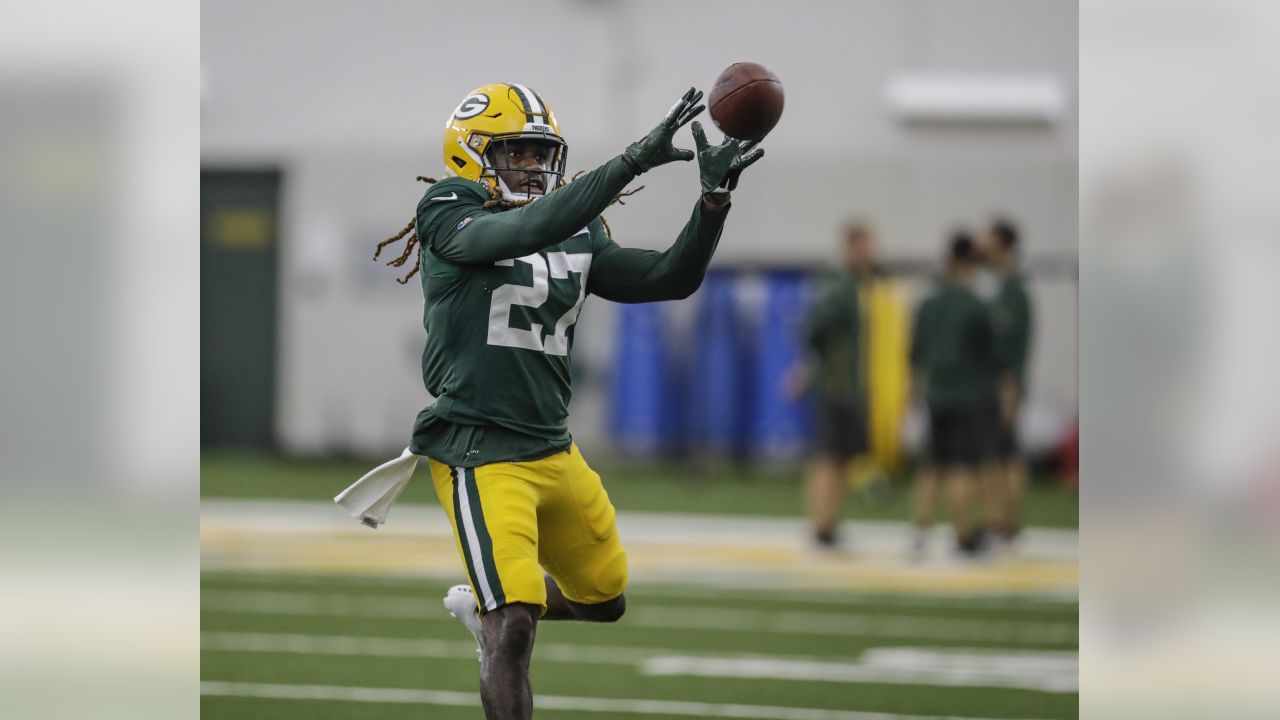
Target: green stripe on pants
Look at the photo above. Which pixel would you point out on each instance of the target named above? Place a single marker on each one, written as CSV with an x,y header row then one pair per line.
x,y
463,542
486,543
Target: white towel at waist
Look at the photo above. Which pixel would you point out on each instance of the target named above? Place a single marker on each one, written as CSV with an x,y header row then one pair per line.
x,y
370,497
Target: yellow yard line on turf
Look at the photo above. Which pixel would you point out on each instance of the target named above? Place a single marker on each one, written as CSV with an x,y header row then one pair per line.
x,y
546,702
673,549
796,568
672,617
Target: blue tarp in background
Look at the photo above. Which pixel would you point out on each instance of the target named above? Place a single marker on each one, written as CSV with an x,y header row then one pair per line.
x,y
641,411
719,392
717,397
779,426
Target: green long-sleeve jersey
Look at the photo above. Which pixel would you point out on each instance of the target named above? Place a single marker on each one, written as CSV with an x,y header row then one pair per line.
x,y
1013,323
833,332
953,348
502,290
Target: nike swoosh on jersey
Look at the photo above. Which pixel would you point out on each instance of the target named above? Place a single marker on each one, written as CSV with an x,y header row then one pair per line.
x,y
442,198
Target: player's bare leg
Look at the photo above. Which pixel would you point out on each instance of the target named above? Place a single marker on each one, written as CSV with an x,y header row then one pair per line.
x,y
824,493
925,504
509,632
962,489
561,608
995,498
506,637
1015,477
926,496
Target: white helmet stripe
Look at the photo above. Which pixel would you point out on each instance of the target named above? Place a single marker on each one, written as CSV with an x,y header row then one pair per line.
x,y
535,105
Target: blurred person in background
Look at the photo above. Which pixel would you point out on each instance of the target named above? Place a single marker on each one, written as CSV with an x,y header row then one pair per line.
x,y
835,369
955,371
1013,319
508,252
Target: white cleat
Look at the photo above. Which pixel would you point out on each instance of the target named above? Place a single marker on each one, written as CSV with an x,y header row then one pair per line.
x,y
460,601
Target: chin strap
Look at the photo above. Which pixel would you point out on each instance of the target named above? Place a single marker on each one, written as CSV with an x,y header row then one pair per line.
x,y
505,192
509,196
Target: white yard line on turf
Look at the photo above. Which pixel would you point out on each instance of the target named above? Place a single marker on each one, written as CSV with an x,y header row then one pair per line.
x,y
1057,673
415,648
855,625
1046,671
676,708
678,617
288,603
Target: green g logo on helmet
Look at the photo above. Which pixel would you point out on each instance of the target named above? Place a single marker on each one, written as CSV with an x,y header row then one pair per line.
x,y
472,106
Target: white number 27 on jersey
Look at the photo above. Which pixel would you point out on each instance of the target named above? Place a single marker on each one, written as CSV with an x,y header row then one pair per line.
x,y
558,265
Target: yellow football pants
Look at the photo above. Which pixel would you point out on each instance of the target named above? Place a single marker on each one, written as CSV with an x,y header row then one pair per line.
x,y
515,520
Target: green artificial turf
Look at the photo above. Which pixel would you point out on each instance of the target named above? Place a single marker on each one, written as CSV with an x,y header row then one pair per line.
x,y
592,661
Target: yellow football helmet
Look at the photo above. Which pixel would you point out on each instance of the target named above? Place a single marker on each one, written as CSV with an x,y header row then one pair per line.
x,y
497,112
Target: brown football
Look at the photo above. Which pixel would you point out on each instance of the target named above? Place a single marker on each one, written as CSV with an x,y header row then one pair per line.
x,y
746,101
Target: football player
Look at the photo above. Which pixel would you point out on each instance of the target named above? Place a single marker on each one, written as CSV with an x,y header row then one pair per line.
x,y
956,366
508,251
835,368
1014,317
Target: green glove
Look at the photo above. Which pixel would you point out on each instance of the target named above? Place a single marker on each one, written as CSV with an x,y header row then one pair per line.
x,y
719,166
655,148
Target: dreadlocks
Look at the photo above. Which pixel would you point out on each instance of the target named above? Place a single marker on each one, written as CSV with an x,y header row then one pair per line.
x,y
495,201
408,246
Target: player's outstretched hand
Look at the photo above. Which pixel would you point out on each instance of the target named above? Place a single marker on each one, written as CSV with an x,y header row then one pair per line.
x,y
719,166
655,148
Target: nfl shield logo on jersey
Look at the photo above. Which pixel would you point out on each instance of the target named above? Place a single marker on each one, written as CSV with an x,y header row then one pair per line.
x,y
464,223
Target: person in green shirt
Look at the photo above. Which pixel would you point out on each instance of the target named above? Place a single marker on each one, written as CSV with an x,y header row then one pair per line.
x,y
1013,314
955,367
507,252
835,370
